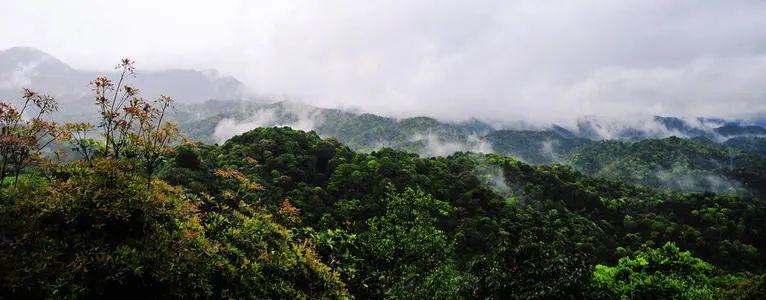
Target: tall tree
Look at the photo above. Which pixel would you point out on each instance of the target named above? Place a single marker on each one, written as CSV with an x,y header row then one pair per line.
x,y
25,132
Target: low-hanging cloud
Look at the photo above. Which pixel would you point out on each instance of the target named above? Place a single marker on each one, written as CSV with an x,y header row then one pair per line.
x,y
434,145
289,114
530,60
19,77
549,149
695,181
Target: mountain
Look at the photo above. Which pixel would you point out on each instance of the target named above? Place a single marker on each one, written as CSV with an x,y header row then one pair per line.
x,y
218,120
674,163
681,127
364,132
647,152
356,205
331,184
204,114
537,147
22,67
21,59
282,213
748,143
734,130
639,128
29,67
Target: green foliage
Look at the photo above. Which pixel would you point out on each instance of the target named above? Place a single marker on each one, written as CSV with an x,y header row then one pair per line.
x,y
665,273
280,213
558,224
675,164
410,257
94,231
749,287
537,147
261,260
100,233
536,256
695,164
753,144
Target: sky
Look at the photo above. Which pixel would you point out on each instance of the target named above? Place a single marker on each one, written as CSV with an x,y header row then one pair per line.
x,y
504,60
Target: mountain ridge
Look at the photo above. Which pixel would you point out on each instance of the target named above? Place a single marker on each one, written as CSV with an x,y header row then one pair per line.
x,y
27,67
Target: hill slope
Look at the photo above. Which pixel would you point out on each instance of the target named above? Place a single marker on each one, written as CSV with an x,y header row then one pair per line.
x,y
488,200
674,163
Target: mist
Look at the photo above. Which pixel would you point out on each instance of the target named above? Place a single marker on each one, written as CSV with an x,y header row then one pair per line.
x,y
434,145
289,114
498,60
693,182
493,176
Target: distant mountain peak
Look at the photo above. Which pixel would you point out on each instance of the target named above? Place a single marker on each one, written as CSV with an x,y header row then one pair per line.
x,y
17,59
25,51
28,67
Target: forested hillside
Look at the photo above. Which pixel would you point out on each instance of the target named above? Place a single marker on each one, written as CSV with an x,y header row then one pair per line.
x,y
736,148
678,157
384,224
127,208
675,163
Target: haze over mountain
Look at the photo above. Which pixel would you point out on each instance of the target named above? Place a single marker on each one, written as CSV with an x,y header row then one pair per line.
x,y
212,107
435,149
710,155
453,60
229,115
26,67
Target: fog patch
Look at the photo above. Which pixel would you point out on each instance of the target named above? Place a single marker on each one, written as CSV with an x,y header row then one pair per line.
x,y
695,182
492,176
296,116
448,59
436,145
379,144
606,128
21,76
548,149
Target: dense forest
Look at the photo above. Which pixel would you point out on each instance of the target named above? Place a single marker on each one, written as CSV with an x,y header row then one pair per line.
x,y
127,207
673,154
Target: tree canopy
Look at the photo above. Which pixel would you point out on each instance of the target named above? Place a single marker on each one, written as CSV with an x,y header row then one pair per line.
x,y
136,211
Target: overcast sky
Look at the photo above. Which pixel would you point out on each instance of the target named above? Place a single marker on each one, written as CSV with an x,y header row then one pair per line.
x,y
532,60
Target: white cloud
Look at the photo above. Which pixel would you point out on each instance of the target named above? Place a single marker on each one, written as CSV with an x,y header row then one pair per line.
x,y
20,77
723,87
433,145
532,60
294,115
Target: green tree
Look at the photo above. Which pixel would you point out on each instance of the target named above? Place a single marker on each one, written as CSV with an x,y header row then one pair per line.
x,y
662,273
260,259
97,232
535,256
410,257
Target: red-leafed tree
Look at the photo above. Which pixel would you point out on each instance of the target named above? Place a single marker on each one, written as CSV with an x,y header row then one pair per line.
x,y
130,125
25,132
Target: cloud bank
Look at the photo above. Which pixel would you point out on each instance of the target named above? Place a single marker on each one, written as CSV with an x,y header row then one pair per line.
x,y
289,114
434,145
539,61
